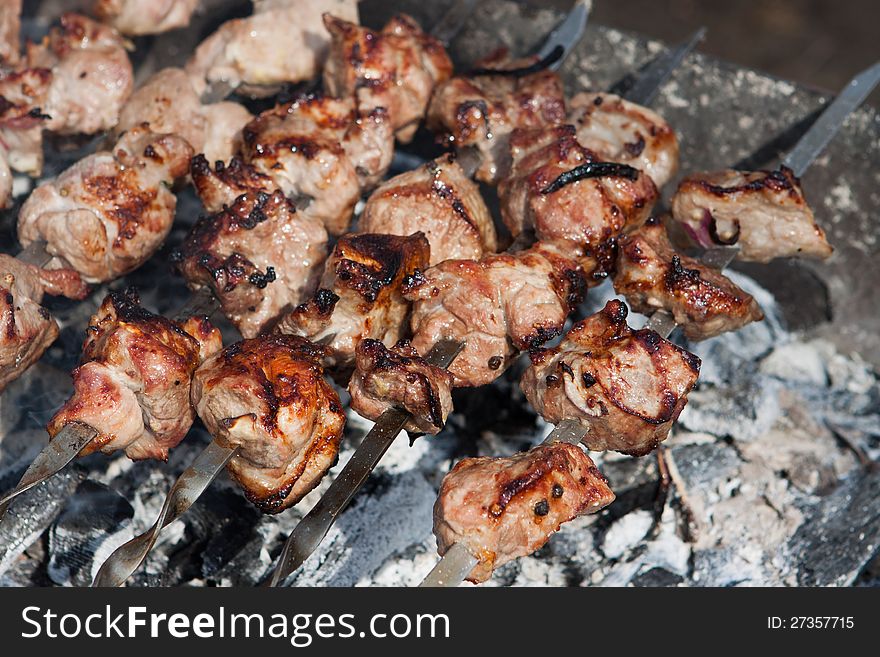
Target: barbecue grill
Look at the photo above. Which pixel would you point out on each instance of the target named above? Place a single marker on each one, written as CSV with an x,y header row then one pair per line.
x,y
768,478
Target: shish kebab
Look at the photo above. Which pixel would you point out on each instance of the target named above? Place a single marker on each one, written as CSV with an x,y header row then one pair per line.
x,y
475,533
349,265
341,355
517,266
154,103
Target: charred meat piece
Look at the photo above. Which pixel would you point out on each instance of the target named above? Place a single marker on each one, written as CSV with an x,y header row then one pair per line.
x,y
652,275
322,149
627,387
218,187
169,104
482,109
497,306
546,192
400,378
136,17
360,294
501,509
22,94
134,382
620,131
268,397
396,68
91,75
110,212
10,26
26,328
258,255
763,212
439,200
283,41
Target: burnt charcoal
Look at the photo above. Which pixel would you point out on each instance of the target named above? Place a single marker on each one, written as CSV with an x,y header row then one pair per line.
x,y
33,512
840,535
657,577
95,521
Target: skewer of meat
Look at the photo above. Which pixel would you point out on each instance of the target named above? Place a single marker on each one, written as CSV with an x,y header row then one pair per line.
x,y
763,214
97,221
590,399
276,424
367,266
131,391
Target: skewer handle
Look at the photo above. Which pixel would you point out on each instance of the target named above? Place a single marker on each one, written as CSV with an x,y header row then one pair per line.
x,y
567,34
60,451
183,494
452,568
831,120
649,82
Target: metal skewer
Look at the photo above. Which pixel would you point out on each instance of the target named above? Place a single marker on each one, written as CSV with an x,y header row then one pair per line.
x,y
651,79
312,529
183,494
60,451
566,35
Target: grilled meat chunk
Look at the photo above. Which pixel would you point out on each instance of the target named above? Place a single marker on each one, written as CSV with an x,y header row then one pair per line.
x,y
764,212
91,75
258,255
10,26
652,275
501,509
627,387
110,212
27,328
268,397
360,294
620,131
283,41
399,378
169,104
588,211
497,306
482,109
134,382
22,120
322,149
396,68
439,200
136,17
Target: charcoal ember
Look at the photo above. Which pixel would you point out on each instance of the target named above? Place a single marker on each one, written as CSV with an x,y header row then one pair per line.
x,y
95,521
33,512
223,523
841,533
